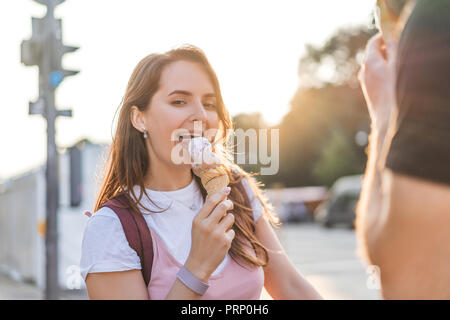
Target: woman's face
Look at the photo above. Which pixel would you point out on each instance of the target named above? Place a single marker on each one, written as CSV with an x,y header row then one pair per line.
x,y
185,96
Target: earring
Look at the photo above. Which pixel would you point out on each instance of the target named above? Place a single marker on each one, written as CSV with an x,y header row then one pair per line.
x,y
145,133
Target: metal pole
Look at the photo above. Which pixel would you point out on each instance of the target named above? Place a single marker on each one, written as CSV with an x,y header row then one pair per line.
x,y
45,49
52,181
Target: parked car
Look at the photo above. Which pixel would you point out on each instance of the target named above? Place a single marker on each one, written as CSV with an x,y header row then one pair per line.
x,y
296,204
295,212
340,207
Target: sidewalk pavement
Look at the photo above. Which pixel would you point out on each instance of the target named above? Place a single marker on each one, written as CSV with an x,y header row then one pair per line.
x,y
16,290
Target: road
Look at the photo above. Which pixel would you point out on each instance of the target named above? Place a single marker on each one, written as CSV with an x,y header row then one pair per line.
x,y
325,257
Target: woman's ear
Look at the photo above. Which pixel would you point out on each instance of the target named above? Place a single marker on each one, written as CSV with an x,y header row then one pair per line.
x,y
137,119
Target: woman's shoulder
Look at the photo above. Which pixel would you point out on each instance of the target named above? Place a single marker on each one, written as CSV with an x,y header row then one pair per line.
x,y
105,212
104,245
103,220
101,225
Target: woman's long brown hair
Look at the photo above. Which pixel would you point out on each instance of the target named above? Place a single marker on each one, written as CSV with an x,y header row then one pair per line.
x,y
128,160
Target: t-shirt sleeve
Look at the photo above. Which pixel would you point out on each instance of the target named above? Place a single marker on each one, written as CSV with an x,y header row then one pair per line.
x,y
421,148
254,201
105,247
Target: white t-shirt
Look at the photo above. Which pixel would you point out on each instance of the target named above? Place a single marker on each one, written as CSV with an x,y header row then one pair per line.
x,y
106,249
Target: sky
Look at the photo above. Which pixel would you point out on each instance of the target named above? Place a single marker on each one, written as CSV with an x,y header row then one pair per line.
x,y
254,47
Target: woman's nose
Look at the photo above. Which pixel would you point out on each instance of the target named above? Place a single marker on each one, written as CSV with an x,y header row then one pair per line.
x,y
199,113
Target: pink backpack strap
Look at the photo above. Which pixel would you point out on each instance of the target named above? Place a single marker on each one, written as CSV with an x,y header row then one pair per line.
x,y
136,231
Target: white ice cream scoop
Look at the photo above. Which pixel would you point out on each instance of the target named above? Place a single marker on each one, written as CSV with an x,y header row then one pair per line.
x,y
201,153
207,166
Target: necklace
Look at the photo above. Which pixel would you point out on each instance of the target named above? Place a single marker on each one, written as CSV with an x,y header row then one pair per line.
x,y
192,198
192,206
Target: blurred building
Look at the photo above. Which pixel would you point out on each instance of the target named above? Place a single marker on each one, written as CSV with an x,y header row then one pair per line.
x,y
22,215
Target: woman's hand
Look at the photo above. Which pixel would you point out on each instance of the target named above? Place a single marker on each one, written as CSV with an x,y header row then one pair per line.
x,y
211,235
377,78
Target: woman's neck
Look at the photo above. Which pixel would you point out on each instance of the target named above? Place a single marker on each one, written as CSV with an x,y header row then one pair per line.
x,y
166,178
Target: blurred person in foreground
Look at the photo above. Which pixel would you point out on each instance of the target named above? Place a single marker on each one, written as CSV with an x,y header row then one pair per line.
x,y
403,215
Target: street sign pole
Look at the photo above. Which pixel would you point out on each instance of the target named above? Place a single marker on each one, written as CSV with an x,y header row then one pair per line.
x,y
45,49
52,201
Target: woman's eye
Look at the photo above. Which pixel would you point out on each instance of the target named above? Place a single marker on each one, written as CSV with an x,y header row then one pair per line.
x,y
178,102
210,105
182,102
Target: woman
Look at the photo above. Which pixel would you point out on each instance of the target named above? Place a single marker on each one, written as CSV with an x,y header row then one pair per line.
x,y
236,254
403,213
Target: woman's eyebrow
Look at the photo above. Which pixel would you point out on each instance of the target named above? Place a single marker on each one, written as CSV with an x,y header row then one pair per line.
x,y
188,93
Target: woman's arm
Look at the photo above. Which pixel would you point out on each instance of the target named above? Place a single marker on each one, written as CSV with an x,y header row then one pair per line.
x,y
123,285
130,285
282,280
210,243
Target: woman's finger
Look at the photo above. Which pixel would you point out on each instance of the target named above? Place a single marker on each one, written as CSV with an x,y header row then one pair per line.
x,y
220,211
227,222
211,203
230,235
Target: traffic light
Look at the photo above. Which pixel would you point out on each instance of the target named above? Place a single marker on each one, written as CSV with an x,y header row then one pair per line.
x,y
57,73
45,49
31,50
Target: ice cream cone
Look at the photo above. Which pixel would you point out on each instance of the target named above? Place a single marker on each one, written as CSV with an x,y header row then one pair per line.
x,y
213,179
216,184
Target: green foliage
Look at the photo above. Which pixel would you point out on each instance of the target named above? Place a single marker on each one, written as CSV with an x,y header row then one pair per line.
x,y
307,128
337,61
249,120
337,158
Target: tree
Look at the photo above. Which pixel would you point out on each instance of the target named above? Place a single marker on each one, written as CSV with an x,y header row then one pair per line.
x,y
246,121
337,61
317,142
322,105
337,158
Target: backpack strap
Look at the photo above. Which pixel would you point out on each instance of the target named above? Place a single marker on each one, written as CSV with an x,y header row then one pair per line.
x,y
136,231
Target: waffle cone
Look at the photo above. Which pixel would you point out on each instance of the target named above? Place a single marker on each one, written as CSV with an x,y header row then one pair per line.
x,y
208,175
213,179
216,184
